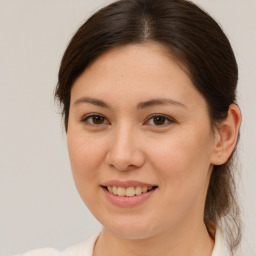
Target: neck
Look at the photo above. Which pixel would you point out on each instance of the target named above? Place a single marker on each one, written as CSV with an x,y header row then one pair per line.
x,y
191,242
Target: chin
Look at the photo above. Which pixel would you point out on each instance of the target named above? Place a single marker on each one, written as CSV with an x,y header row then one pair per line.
x,y
131,234
131,229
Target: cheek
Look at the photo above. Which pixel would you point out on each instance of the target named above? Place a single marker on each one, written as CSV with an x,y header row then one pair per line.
x,y
177,152
183,162
86,155
182,165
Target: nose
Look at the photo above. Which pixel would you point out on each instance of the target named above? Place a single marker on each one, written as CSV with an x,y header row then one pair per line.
x,y
124,151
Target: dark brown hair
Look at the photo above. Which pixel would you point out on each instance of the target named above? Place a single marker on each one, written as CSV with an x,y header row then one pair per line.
x,y
196,41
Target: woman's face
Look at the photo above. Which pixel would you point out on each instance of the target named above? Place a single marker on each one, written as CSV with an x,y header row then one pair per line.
x,y
140,142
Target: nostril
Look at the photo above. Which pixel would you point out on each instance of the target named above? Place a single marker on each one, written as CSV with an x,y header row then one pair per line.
x,y
125,157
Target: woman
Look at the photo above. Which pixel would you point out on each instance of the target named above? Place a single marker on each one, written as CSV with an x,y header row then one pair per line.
x,y
148,90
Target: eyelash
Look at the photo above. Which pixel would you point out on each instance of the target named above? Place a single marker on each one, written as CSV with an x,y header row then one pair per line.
x,y
90,116
165,118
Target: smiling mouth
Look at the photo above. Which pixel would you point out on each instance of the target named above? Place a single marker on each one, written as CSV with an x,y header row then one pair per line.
x,y
128,192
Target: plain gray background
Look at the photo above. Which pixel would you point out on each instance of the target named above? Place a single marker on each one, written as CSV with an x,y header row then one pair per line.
x,y
39,205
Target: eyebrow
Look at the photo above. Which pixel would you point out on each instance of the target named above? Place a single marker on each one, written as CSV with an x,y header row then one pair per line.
x,y
141,105
163,101
93,101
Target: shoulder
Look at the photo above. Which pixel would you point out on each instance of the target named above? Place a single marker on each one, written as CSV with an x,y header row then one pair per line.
x,y
41,252
81,249
221,248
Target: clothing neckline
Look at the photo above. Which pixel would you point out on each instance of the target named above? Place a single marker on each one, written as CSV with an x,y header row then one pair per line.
x,y
218,249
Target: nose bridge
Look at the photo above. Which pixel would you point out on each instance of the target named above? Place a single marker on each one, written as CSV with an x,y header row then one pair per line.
x,y
125,152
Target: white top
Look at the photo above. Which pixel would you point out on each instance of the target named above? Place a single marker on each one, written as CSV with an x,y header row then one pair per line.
x,y
86,248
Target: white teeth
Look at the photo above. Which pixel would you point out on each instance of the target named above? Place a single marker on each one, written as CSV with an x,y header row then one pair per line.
x,y
144,189
138,190
121,191
114,190
130,191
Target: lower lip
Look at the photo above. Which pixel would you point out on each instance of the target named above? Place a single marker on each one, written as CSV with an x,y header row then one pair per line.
x,y
128,201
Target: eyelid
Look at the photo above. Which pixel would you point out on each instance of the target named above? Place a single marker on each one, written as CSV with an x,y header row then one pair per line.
x,y
168,118
85,118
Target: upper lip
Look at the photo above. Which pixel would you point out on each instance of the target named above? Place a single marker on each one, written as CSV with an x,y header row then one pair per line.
x,y
126,184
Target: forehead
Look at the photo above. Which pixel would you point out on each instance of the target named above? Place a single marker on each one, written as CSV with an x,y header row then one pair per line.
x,y
144,56
135,72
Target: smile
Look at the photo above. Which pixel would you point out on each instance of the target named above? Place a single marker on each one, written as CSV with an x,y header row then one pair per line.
x,y
128,192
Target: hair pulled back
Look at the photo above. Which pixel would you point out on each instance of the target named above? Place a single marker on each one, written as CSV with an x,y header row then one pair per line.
x,y
196,41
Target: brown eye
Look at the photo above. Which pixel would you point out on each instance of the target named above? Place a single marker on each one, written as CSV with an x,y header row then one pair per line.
x,y
159,120
98,119
95,120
